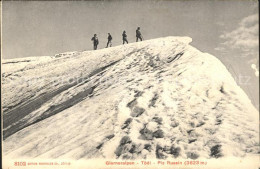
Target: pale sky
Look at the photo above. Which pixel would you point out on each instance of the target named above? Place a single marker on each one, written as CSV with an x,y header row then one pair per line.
x,y
226,29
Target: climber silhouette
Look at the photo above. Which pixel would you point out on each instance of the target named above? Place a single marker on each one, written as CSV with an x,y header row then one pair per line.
x,y
138,34
124,37
95,41
109,40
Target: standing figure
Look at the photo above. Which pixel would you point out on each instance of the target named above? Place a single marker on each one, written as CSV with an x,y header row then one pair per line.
x,y
95,41
109,40
124,37
138,34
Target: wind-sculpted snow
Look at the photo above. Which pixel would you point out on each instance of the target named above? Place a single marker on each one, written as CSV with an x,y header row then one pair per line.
x,y
159,98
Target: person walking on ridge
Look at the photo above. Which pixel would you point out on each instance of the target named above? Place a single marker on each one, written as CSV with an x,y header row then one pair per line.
x,y
138,34
95,41
109,38
124,38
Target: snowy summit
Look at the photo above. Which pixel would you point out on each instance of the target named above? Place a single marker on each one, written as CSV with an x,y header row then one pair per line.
x,y
159,98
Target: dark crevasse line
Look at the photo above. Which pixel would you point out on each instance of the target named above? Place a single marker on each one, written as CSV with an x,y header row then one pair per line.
x,y
50,112
19,112
16,61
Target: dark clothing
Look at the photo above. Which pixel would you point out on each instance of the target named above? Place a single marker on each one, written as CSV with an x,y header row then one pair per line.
x,y
124,35
109,38
95,47
138,35
139,38
109,43
124,38
95,42
125,41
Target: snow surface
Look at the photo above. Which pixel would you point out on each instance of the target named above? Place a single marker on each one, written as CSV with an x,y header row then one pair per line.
x,y
158,98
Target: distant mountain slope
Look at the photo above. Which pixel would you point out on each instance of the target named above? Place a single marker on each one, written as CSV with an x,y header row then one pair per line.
x,y
159,98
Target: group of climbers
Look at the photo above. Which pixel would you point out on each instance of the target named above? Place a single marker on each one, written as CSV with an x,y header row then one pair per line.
x,y
109,38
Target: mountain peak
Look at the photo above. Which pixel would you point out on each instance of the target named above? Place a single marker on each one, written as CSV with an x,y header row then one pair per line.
x,y
159,98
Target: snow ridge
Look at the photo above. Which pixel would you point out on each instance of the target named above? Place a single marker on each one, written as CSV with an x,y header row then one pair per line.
x,y
159,98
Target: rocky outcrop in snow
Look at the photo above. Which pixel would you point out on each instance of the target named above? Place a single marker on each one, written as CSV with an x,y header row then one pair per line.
x,y
159,98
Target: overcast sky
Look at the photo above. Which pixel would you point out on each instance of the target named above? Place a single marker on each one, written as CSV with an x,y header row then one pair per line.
x,y
226,29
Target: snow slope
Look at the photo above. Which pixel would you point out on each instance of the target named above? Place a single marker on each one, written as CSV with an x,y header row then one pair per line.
x,y
159,98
